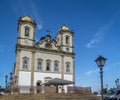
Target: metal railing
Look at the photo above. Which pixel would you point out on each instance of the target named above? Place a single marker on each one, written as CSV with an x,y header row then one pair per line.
x,y
45,89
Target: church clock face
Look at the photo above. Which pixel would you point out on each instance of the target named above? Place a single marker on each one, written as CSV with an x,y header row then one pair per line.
x,y
67,49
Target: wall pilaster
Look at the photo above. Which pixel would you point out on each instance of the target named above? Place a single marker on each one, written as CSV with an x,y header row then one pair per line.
x,y
73,72
62,66
32,68
17,66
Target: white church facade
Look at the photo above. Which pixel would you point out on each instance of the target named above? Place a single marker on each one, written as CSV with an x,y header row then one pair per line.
x,y
46,59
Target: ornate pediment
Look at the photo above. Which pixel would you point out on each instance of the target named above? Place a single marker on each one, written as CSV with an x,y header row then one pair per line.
x,y
47,43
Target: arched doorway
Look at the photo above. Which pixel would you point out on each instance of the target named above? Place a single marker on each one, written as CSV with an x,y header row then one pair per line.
x,y
38,85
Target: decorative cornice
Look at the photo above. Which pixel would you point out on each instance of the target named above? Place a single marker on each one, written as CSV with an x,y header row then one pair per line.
x,y
26,38
38,49
20,22
66,31
46,72
68,46
25,70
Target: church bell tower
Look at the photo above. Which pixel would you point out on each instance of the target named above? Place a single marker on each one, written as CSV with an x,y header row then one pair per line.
x,y
26,36
26,31
65,39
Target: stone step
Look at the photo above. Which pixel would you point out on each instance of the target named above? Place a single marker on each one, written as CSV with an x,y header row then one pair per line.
x,y
49,97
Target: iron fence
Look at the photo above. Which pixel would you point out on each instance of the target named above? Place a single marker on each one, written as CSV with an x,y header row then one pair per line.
x,y
45,89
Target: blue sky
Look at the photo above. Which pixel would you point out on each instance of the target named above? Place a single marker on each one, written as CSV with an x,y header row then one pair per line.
x,y
96,24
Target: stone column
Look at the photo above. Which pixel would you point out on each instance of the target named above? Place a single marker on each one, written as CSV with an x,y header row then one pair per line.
x,y
61,45
32,70
73,71
17,65
72,43
62,66
62,69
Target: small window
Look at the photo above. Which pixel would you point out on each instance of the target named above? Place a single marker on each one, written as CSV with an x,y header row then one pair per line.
x,y
39,65
48,66
26,31
67,67
67,39
56,65
25,63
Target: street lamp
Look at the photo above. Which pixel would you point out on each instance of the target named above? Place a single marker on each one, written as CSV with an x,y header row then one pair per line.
x,y
100,61
6,80
13,81
117,83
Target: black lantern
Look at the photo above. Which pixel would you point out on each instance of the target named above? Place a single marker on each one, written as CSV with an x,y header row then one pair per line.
x,y
100,61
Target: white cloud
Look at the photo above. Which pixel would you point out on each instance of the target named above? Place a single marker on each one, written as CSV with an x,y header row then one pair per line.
x,y
96,39
99,35
91,44
20,9
39,26
90,72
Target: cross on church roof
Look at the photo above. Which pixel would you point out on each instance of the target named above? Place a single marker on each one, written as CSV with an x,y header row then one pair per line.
x,y
48,31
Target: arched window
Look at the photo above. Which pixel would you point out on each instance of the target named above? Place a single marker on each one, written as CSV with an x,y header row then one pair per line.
x,y
67,39
27,31
25,63
56,66
39,64
67,67
48,65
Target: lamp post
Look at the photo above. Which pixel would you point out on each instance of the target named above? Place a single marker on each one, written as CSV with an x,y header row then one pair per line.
x,y
117,83
6,80
100,61
13,81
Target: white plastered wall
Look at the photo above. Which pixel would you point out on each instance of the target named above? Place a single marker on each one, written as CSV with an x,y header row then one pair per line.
x,y
24,81
24,78
67,77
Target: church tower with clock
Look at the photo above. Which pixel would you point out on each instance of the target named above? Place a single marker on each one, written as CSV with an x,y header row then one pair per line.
x,y
65,39
49,58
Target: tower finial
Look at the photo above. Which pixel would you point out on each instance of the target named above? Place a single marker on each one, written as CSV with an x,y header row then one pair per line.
x,y
48,31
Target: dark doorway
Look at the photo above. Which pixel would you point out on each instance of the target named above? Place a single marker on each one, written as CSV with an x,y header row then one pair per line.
x,y
39,86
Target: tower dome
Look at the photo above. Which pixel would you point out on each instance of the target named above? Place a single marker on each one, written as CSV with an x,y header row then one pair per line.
x,y
26,18
64,28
